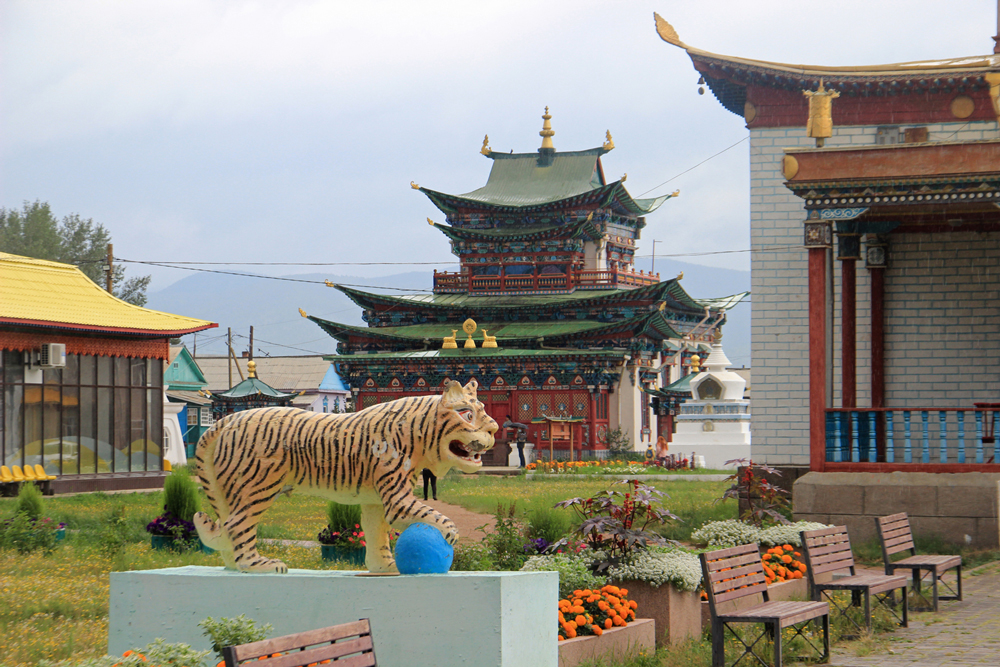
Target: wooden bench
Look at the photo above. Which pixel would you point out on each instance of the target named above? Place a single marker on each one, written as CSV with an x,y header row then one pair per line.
x,y
895,535
738,572
345,645
828,550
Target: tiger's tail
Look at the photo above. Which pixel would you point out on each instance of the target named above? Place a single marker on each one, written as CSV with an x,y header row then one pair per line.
x,y
210,531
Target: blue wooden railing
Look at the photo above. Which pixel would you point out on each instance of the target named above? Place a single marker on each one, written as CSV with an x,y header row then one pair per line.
x,y
915,435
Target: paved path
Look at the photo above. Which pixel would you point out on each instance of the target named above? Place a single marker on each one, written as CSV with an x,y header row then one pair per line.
x,y
962,634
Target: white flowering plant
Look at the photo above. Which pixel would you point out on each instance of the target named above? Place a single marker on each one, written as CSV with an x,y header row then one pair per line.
x,y
727,533
657,566
574,571
779,535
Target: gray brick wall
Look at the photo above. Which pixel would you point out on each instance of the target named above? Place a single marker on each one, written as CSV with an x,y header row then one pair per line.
x,y
780,326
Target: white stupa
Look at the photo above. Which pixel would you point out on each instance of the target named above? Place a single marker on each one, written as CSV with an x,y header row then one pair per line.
x,y
715,423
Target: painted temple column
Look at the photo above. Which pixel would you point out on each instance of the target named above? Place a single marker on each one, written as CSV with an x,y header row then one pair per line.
x,y
875,261
848,253
818,240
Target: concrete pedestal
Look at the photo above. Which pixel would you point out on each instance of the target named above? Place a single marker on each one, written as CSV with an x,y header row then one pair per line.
x,y
501,619
514,460
677,613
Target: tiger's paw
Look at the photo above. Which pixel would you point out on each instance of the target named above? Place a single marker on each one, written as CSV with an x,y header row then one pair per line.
x,y
450,532
209,531
267,565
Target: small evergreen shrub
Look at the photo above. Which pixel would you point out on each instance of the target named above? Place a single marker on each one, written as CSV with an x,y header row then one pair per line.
x,y
548,524
574,571
233,631
343,518
180,495
29,502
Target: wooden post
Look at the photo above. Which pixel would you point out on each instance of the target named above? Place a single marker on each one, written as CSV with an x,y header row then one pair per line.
x,y
110,277
817,358
251,345
229,334
877,279
551,449
848,334
570,441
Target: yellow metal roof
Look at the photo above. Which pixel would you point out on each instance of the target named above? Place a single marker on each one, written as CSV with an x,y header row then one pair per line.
x,y
37,292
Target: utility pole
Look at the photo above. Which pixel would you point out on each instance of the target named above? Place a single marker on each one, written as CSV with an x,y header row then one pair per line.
x,y
251,344
229,334
652,267
110,269
195,352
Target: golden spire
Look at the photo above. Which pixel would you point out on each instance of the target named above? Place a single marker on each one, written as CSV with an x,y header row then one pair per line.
x,y
430,222
485,150
469,326
820,123
251,369
329,284
547,132
414,185
610,143
695,364
302,313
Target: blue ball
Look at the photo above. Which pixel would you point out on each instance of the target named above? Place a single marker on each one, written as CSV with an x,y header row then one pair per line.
x,y
422,549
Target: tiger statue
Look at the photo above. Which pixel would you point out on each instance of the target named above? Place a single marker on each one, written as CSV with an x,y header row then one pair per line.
x,y
369,458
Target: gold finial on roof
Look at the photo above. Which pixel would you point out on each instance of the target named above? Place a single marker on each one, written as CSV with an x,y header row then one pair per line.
x,y
718,335
695,363
547,132
329,284
251,369
623,178
610,143
675,193
680,276
414,185
430,222
667,32
820,123
485,150
302,313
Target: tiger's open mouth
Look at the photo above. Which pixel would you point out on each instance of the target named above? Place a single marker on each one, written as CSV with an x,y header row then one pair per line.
x,y
459,450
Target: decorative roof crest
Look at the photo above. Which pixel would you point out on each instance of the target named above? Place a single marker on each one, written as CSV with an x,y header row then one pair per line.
x,y
485,150
609,144
547,132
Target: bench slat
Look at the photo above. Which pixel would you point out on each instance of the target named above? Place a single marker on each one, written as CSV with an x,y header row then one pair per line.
x,y
736,561
328,652
737,584
358,629
841,548
736,572
740,593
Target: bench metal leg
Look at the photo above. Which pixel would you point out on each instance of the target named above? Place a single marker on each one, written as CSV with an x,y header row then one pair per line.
x,y
718,643
826,638
777,643
868,610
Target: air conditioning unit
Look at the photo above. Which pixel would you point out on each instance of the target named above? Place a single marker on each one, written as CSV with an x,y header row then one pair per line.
x,y
53,355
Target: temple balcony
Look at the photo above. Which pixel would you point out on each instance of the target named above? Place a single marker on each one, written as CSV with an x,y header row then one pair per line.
x,y
464,282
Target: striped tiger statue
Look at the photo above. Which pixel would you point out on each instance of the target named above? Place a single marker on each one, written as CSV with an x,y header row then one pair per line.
x,y
369,458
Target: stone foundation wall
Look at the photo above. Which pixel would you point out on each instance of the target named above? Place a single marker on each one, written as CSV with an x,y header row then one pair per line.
x,y
961,508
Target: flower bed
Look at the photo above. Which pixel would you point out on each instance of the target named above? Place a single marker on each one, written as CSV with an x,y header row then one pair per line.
x,y
617,644
611,467
590,612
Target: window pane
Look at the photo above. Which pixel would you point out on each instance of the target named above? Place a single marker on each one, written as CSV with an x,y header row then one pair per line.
x,y
121,434
151,367
104,372
138,372
51,424
105,452
137,428
155,376
32,424
70,434
121,371
52,376
13,368
87,366
71,374
13,399
154,399
206,416
88,430
192,415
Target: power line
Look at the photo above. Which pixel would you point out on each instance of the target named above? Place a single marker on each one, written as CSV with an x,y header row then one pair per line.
x,y
696,166
288,263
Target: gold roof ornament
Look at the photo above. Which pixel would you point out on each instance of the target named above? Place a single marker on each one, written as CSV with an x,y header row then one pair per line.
x,y
547,132
414,185
695,363
469,326
489,341
251,369
485,150
676,193
680,276
609,144
718,335
820,123
430,222
623,178
302,313
328,283
448,342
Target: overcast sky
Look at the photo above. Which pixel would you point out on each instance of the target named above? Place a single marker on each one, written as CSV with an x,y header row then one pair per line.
x,y
290,131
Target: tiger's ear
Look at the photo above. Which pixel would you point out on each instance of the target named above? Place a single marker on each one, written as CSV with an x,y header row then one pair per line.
x,y
453,393
470,388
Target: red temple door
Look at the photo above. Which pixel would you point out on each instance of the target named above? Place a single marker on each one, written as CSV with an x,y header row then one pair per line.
x,y
498,407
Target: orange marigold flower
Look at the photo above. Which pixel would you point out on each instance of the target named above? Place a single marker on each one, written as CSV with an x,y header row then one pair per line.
x,y
608,623
571,634
596,629
559,638
788,547
623,591
766,556
786,559
633,604
602,605
580,621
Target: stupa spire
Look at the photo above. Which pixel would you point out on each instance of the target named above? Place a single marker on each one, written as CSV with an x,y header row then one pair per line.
x,y
547,132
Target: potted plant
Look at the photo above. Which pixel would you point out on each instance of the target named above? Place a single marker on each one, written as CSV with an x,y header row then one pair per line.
x,y
174,528
343,539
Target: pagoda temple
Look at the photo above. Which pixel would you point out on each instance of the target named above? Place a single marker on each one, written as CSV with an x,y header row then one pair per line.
x,y
546,312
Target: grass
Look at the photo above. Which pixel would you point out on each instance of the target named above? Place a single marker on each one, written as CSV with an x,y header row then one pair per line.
x,y
870,553
692,502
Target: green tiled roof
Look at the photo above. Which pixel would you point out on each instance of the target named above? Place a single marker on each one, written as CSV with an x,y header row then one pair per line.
x,y
582,227
653,324
475,302
252,387
524,180
478,353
